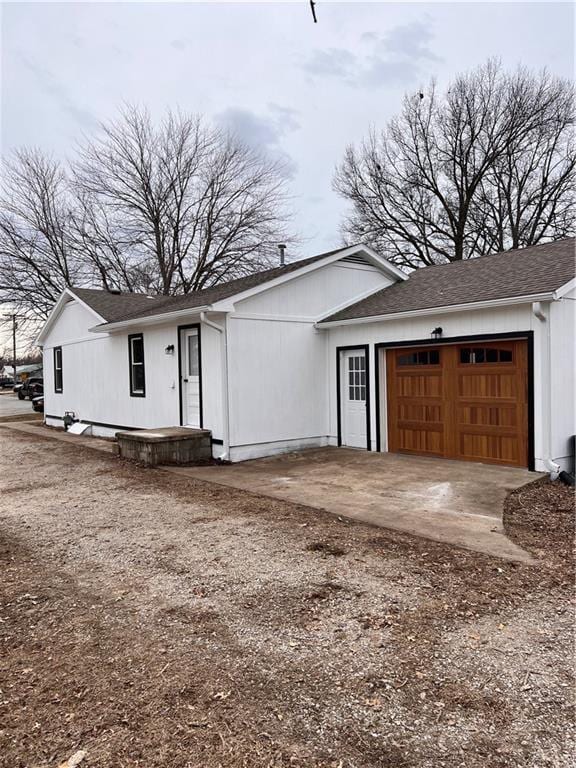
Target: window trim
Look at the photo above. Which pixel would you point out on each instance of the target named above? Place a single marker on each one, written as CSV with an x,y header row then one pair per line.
x,y
58,389
473,349
131,364
418,363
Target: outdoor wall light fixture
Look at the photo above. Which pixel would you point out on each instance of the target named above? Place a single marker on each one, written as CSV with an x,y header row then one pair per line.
x,y
169,349
436,333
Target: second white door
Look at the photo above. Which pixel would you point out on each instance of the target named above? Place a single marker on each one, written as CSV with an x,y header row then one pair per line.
x,y
191,378
353,398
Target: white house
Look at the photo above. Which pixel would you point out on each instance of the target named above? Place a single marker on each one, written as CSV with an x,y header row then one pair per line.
x,y
472,360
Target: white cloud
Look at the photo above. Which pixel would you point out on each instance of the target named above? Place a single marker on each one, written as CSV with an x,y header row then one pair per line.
x,y
263,132
392,59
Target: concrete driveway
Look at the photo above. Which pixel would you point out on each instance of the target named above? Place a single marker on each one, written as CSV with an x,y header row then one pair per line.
x,y
451,501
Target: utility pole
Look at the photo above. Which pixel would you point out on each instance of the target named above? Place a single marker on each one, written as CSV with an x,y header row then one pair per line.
x,y
14,327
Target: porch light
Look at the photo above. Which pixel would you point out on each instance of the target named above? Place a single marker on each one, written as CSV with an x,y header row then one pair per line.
x,y
169,350
436,333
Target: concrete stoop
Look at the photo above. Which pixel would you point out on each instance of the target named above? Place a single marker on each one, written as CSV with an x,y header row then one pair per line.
x,y
168,445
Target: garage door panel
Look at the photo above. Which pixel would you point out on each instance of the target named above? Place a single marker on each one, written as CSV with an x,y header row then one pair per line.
x,y
461,401
421,411
478,414
421,441
496,449
418,385
488,386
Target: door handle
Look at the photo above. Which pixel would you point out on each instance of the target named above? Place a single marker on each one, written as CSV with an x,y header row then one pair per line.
x,y
186,380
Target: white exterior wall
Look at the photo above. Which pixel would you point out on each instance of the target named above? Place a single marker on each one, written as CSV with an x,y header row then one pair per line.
x,y
96,375
318,293
277,387
277,360
562,377
553,380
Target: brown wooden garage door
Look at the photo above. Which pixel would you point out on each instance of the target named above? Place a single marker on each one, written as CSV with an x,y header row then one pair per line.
x,y
466,401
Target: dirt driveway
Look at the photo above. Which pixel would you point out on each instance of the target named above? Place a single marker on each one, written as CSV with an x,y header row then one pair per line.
x,y
162,621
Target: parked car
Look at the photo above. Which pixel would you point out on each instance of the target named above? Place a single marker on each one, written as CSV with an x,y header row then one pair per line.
x,y
36,389
38,404
24,390
6,382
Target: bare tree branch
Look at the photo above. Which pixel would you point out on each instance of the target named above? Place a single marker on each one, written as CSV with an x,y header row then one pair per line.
x,y
489,165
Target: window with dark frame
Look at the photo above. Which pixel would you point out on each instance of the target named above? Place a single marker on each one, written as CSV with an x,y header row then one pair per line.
x,y
479,355
357,378
422,357
58,379
137,373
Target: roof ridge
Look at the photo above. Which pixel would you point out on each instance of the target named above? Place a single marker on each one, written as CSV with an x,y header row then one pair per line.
x,y
492,255
261,272
214,292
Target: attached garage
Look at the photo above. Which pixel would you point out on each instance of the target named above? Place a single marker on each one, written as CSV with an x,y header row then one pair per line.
x,y
473,360
463,401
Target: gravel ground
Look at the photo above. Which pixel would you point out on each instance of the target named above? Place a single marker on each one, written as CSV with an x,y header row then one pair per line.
x,y
156,621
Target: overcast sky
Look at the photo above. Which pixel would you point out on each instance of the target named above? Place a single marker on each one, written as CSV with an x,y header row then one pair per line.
x,y
297,89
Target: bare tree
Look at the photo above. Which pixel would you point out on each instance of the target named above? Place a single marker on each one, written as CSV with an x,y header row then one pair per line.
x,y
164,209
190,205
488,165
36,259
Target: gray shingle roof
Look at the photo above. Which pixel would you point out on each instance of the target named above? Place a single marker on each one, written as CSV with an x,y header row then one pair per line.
x,y
114,306
117,307
523,272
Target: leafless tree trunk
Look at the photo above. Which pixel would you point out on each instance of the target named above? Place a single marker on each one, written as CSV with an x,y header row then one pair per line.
x,y
488,165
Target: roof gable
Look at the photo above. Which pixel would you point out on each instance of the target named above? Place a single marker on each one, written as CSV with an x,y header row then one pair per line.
x,y
65,298
529,271
119,308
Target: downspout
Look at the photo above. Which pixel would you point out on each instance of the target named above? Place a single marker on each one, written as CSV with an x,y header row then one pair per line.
x,y
552,467
224,364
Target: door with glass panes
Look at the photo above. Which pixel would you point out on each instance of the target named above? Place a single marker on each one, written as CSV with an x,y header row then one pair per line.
x,y
353,398
190,362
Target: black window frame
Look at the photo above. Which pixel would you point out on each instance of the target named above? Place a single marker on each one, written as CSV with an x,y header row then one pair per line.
x,y
133,392
419,358
58,372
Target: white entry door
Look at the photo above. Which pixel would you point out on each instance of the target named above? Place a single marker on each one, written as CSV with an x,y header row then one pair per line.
x,y
190,377
353,398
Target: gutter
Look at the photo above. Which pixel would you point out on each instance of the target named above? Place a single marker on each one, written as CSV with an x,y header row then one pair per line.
x,y
164,317
543,316
438,310
224,364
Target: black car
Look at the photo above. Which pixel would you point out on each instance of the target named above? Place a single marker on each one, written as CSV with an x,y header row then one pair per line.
x,y
38,404
6,382
36,389
25,389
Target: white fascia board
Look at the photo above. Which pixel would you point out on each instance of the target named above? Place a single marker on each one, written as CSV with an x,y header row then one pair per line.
x,y
66,296
165,317
564,289
381,262
494,304
227,305
86,306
